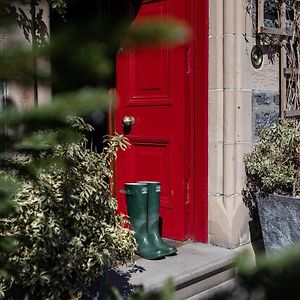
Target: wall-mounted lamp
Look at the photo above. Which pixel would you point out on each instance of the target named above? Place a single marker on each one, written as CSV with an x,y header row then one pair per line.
x,y
257,57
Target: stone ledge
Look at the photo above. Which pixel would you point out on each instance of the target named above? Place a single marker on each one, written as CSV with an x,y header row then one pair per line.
x,y
196,268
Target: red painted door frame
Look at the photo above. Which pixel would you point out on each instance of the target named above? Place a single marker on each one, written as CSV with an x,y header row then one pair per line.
x,y
197,122
201,120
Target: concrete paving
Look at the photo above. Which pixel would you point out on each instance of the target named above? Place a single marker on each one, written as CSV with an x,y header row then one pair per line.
x,y
195,269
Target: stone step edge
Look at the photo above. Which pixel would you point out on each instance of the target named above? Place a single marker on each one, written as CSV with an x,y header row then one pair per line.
x,y
203,285
197,275
202,277
225,286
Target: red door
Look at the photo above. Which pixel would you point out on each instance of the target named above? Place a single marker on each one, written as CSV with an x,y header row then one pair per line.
x,y
151,85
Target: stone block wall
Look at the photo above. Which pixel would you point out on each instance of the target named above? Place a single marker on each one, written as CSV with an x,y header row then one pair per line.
x,y
242,100
265,110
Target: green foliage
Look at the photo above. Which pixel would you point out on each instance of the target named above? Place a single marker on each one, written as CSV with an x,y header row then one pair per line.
x,y
167,293
59,5
273,165
81,102
67,224
64,221
156,31
273,277
275,159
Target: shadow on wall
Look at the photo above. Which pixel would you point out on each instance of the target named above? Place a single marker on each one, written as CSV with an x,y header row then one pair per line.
x,y
25,22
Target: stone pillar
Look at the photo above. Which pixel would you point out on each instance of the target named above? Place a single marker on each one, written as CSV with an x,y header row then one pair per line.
x,y
232,80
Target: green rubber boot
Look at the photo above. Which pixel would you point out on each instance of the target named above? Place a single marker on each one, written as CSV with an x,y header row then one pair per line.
x,y
153,218
136,201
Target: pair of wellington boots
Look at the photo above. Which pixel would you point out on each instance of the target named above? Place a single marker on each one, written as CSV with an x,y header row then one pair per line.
x,y
142,200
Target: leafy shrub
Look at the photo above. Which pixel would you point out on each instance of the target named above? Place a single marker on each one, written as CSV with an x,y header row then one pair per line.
x,y
67,224
273,165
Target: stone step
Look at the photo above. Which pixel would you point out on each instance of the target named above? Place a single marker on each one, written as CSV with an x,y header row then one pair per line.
x,y
195,269
225,286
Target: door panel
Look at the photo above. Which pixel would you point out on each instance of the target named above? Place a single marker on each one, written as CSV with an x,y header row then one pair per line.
x,y
151,88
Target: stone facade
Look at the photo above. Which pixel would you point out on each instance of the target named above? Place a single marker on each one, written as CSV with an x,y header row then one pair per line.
x,y
242,100
265,110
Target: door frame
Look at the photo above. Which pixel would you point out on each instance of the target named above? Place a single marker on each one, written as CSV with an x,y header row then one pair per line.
x,y
197,122
201,119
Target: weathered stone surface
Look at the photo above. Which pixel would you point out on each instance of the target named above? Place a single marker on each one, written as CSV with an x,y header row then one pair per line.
x,y
265,110
196,268
265,98
276,99
264,120
280,220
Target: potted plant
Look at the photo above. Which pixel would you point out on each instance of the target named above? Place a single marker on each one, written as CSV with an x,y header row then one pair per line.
x,y
273,184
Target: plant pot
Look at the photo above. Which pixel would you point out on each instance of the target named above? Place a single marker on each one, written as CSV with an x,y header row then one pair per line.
x,y
280,220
